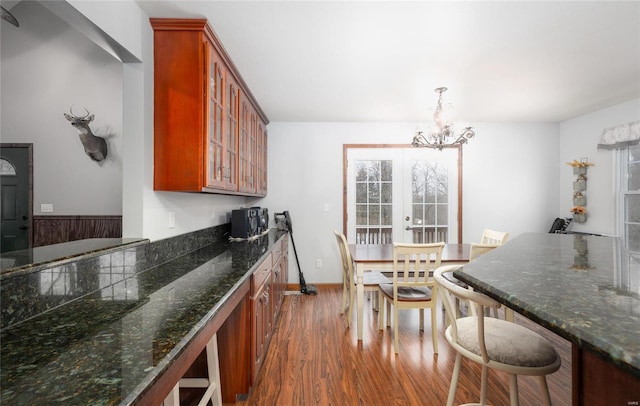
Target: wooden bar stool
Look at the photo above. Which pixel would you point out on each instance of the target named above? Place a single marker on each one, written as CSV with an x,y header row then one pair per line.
x,y
211,382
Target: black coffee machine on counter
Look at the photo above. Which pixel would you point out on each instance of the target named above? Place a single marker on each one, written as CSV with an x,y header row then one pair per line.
x,y
249,222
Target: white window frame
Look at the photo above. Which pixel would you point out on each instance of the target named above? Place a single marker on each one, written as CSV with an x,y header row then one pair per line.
x,y
345,177
622,192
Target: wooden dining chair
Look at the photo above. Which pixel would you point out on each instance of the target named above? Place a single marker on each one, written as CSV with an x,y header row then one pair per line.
x,y
481,249
478,249
493,237
371,279
412,286
493,343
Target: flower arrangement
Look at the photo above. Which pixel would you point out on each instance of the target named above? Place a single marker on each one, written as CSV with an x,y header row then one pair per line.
x,y
578,210
579,214
578,164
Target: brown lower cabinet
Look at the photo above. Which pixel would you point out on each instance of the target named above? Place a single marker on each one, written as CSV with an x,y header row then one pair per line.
x,y
596,382
243,339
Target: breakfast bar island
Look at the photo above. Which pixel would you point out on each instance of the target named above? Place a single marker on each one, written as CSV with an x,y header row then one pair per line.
x,y
584,288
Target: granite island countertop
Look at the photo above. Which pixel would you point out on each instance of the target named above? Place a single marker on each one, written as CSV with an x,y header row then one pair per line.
x,y
110,345
584,288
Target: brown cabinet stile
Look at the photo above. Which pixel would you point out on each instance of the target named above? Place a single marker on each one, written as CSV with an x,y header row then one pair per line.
x,y
205,138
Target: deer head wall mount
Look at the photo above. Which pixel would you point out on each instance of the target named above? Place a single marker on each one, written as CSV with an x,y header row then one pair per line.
x,y
95,147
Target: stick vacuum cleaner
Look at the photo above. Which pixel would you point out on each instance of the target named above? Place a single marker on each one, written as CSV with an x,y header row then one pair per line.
x,y
304,288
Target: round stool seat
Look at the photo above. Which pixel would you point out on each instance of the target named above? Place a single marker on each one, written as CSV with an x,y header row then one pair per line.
x,y
506,343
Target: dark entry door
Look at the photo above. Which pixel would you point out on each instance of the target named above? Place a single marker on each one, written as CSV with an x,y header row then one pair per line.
x,y
15,191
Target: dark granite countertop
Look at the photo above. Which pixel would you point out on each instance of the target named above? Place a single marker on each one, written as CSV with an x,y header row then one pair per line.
x,y
584,288
109,345
33,258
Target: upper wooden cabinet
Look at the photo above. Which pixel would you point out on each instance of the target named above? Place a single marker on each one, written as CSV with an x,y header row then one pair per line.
x,y
210,133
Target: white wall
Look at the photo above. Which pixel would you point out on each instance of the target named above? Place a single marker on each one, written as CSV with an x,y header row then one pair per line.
x,y
579,138
45,68
192,211
509,179
510,173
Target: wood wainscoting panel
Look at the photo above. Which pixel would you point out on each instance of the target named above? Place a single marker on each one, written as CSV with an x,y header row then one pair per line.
x,y
58,229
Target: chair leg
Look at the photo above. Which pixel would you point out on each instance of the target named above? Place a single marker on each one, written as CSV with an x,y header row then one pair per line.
x,y
395,328
454,380
545,390
508,314
351,299
375,303
421,319
382,301
513,390
345,292
388,313
434,331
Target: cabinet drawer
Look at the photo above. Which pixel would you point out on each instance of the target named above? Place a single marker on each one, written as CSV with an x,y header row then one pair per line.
x,y
261,274
276,254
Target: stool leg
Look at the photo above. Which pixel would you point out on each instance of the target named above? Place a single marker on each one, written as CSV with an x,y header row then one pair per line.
x,y
211,383
483,385
173,398
454,380
213,391
545,390
513,390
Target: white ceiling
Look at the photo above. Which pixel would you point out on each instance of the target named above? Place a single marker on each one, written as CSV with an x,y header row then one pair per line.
x,y
381,60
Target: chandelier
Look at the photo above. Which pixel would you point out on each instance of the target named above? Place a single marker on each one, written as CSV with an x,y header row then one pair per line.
x,y
443,135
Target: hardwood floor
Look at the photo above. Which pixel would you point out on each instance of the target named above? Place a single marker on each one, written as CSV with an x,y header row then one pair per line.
x,y
315,359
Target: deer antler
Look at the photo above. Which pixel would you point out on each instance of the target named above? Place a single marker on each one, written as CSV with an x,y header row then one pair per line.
x,y
85,109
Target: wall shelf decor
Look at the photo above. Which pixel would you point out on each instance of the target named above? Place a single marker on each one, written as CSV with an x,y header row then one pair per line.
x,y
579,188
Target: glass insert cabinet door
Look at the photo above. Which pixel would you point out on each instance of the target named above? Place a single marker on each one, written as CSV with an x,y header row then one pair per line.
x,y
216,144
401,195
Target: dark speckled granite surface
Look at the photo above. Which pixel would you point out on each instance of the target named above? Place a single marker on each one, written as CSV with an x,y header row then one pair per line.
x,y
48,255
101,333
584,288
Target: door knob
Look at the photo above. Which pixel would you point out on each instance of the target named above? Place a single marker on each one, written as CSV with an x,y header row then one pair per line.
x,y
25,217
24,227
407,218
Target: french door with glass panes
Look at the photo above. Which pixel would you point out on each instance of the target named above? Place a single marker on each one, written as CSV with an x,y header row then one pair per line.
x,y
402,195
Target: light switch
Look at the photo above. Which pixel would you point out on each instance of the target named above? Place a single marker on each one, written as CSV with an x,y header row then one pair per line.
x,y
46,208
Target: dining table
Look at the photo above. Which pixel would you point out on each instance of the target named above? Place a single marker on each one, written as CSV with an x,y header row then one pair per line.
x,y
379,257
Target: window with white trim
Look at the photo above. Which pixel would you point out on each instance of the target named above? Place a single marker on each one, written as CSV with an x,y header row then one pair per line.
x,y
629,197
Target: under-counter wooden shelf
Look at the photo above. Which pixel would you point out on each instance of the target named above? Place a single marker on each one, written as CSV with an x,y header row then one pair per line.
x,y
210,133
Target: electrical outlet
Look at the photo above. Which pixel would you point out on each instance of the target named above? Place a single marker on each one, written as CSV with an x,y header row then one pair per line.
x,y
318,262
46,208
325,207
172,219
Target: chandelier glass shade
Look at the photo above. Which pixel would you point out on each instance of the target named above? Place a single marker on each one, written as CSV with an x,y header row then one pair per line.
x,y
443,134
